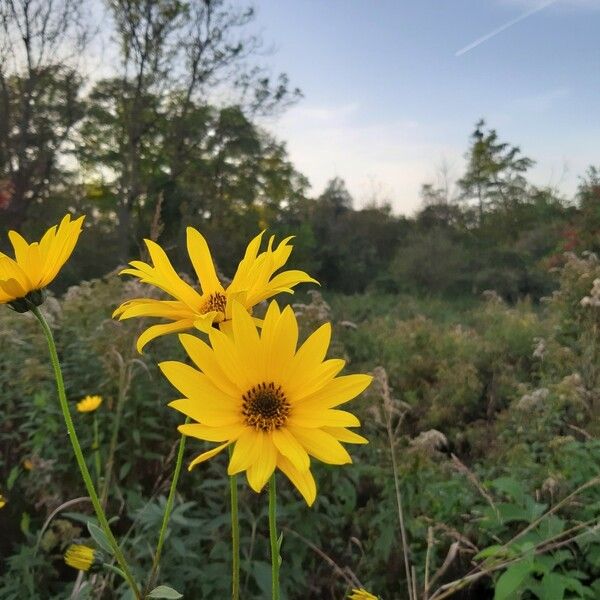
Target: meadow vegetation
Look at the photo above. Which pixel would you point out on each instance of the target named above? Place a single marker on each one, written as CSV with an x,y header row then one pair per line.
x,y
479,317
495,421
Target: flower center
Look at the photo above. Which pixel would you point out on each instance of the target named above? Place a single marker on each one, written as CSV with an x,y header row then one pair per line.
x,y
265,407
216,302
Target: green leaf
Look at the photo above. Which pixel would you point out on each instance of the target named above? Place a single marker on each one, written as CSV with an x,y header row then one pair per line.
x,y
12,477
25,521
511,580
115,570
262,575
124,470
495,551
553,586
279,542
511,487
99,537
164,591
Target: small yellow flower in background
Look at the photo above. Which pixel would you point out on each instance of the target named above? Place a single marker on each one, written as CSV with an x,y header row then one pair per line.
x,y
253,282
89,404
2,501
275,402
23,279
81,557
28,464
361,594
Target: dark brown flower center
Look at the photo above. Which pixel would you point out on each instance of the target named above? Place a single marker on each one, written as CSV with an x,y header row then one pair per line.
x,y
216,301
265,407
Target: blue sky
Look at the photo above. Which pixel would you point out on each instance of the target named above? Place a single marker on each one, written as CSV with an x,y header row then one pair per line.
x,y
388,101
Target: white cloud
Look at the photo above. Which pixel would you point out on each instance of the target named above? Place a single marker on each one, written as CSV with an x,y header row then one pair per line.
x,y
389,158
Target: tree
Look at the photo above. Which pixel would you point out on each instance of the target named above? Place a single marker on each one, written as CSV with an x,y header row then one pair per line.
x,y
588,196
174,54
443,190
39,104
495,171
336,197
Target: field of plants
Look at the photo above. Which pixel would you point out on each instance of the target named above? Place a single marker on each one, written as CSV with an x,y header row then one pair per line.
x,y
480,479
419,420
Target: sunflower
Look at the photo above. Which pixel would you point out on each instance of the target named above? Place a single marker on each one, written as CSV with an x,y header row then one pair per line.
x,y
274,402
23,279
361,594
81,557
253,282
89,404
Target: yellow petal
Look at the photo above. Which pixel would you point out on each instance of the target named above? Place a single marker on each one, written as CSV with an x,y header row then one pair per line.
x,y
202,262
207,455
204,358
12,289
207,413
174,310
309,356
212,434
282,283
321,445
246,339
280,346
228,356
268,331
302,480
343,435
336,392
239,281
289,446
165,277
62,247
11,270
317,417
158,330
20,246
205,322
313,378
245,451
261,470
196,385
28,257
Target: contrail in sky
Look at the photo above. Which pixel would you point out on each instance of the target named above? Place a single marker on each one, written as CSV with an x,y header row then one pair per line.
x,y
504,27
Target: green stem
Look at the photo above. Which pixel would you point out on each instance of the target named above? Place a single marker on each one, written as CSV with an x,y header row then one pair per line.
x,y
273,538
167,513
87,479
96,449
235,537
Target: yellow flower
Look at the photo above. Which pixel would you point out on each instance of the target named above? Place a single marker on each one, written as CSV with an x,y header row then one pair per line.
x,y
274,402
361,594
23,279
89,404
28,464
81,557
253,282
2,501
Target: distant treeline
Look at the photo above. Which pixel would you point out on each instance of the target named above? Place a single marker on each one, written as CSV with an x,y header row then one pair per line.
x,y
147,150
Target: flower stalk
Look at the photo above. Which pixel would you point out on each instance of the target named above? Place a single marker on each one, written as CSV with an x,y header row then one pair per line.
x,y
167,513
275,559
87,479
235,537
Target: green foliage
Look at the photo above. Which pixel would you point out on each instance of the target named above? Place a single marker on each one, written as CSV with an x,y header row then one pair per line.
x,y
508,389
